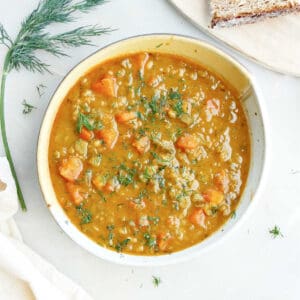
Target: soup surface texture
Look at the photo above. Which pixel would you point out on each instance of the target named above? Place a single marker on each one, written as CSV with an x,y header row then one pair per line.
x,y
149,154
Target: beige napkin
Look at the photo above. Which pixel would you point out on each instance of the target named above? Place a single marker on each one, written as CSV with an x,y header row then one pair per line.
x,y
24,275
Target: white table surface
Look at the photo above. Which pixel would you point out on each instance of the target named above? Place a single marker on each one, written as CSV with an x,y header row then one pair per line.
x,y
247,265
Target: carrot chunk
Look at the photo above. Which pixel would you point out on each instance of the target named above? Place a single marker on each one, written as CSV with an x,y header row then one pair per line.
x,y
163,241
197,217
212,196
125,116
86,134
71,168
109,136
106,86
75,193
142,145
187,142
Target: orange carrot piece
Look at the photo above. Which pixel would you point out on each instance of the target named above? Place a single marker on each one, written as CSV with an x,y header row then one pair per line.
x,y
75,193
197,217
108,135
187,142
125,116
71,168
213,196
106,86
86,134
109,187
142,145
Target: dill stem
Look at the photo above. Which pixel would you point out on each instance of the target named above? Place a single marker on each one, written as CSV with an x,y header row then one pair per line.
x,y
5,71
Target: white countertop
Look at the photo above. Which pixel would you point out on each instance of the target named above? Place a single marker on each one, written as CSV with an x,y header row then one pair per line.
x,y
247,265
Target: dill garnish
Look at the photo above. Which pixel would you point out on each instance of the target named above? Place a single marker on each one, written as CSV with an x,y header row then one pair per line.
x,y
27,108
32,37
275,232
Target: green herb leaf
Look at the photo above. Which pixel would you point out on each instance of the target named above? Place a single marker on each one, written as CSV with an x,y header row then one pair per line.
x,y
27,108
233,215
84,214
155,220
126,175
178,108
83,120
174,95
121,245
33,37
275,232
156,281
150,241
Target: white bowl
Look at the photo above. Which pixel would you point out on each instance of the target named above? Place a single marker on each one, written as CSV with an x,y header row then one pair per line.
x,y
209,57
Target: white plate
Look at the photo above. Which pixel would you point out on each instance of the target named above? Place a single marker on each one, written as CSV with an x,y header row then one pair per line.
x,y
274,43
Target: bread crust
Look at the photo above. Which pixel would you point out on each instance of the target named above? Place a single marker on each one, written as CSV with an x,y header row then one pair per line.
x,y
254,16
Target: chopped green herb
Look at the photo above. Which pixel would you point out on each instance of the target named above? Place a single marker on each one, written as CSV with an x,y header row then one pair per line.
x,y
159,45
275,232
27,108
150,241
85,214
126,175
178,132
98,125
140,116
155,220
156,281
233,215
142,194
140,75
160,179
83,120
178,108
153,105
141,132
214,210
110,227
156,156
173,95
102,197
121,245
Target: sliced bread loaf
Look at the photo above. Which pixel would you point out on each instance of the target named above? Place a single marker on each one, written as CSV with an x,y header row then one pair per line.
x,y
234,12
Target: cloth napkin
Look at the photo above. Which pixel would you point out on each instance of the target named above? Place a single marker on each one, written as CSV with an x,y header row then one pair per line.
x,y
24,275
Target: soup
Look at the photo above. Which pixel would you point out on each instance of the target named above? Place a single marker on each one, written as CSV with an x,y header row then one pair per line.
x,y
149,153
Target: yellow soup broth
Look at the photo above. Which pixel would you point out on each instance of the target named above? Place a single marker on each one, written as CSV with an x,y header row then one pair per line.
x,y
149,154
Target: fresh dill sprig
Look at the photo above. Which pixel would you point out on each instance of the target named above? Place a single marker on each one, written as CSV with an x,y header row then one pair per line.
x,y
32,37
275,232
156,281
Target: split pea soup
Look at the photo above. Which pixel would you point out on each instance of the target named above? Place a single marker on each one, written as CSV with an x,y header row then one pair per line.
x,y
149,153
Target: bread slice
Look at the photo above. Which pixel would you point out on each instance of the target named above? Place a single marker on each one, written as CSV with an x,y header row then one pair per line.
x,y
234,12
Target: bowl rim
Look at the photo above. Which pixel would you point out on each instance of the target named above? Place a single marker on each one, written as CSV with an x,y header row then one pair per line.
x,y
162,260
